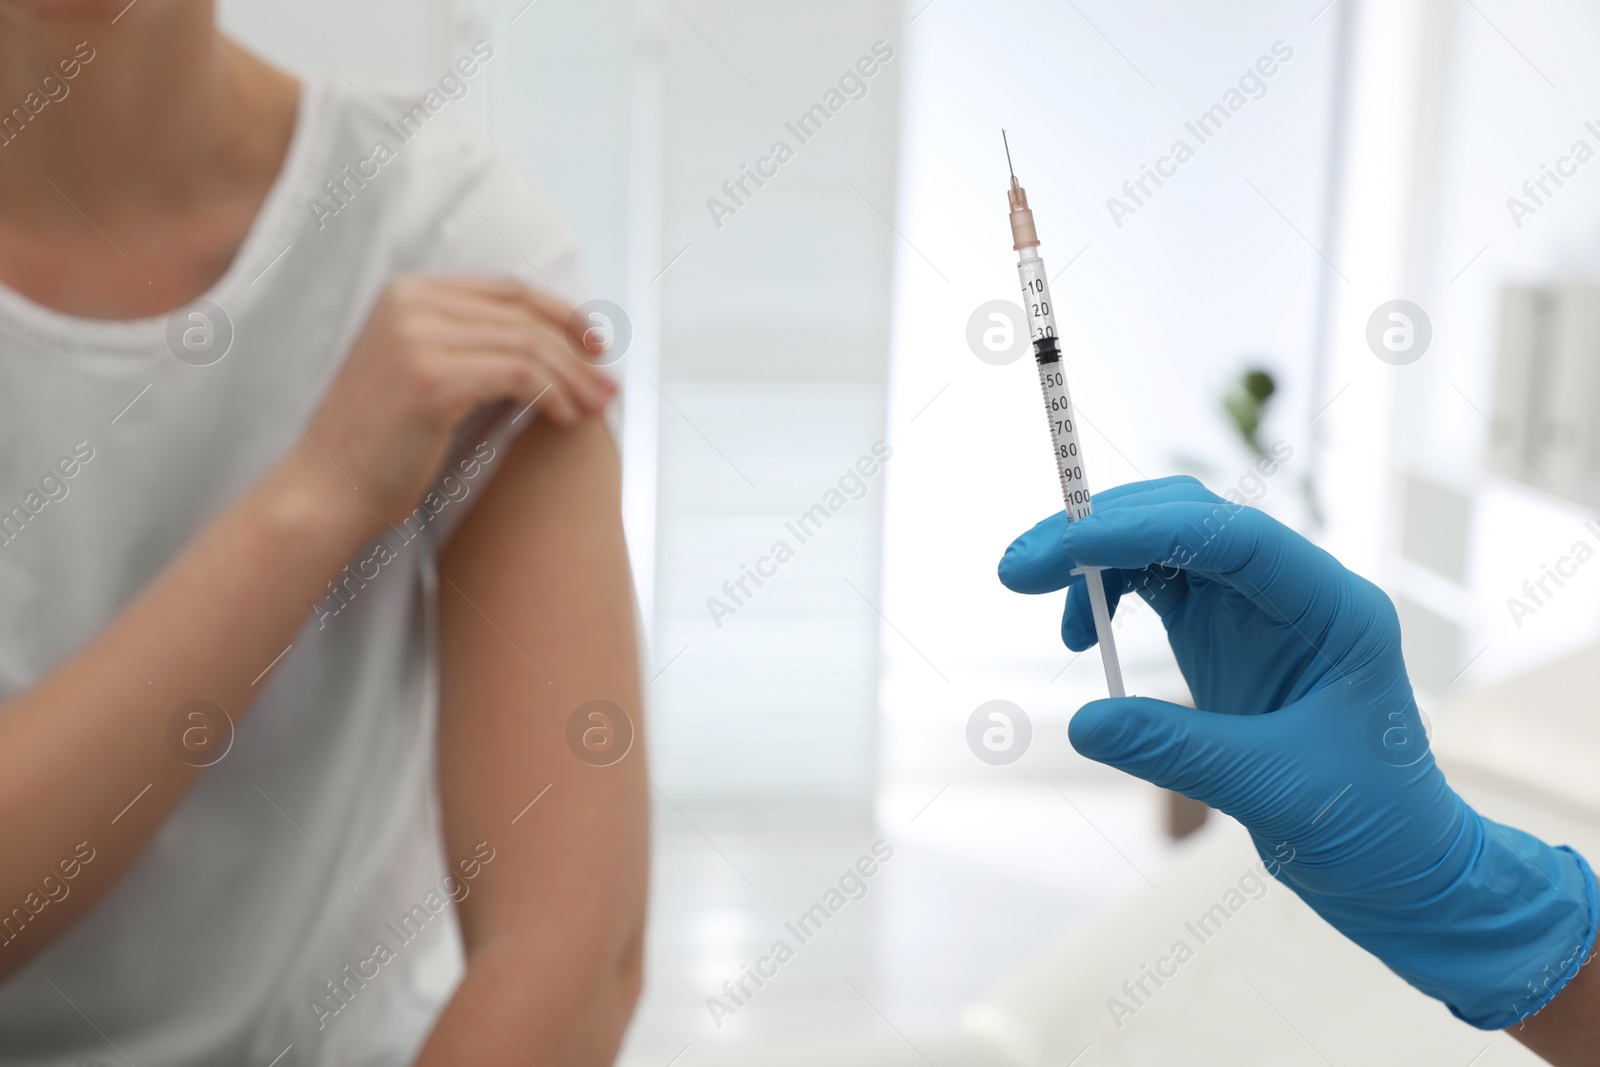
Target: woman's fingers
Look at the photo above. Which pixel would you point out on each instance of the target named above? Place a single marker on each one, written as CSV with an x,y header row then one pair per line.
x,y
576,327
468,319
477,375
540,303
450,343
591,387
431,350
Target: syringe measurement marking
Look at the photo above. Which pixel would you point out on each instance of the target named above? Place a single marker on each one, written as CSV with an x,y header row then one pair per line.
x,y
1041,321
1063,433
1058,402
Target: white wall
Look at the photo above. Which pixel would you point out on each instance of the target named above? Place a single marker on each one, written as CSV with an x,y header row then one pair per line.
x,y
1158,314
774,358
364,40
1457,105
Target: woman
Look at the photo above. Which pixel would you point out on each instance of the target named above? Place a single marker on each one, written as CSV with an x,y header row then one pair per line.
x,y
311,551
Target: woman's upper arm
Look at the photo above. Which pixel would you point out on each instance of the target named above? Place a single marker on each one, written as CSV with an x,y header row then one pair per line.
x,y
537,618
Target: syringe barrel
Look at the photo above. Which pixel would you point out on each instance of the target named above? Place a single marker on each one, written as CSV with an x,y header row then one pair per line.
x,y
1053,383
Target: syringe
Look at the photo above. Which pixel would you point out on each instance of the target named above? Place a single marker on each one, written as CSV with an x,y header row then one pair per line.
x,y
1058,407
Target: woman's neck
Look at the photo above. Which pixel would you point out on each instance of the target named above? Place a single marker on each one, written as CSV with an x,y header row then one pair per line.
x,y
134,156
159,107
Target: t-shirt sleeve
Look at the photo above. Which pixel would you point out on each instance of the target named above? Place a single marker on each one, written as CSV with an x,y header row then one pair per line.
x,y
482,217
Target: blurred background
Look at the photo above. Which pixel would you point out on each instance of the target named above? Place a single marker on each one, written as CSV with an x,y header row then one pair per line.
x,y
1239,305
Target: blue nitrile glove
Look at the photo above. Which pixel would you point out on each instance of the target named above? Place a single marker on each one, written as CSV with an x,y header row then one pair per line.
x,y
1309,735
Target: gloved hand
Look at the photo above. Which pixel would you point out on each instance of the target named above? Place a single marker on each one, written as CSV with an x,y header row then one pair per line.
x,y
1309,735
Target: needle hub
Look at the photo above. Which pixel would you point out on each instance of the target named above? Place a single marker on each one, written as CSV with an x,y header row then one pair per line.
x,y
1023,235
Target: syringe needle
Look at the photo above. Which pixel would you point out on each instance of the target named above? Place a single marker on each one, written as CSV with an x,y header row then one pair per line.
x,y
1012,170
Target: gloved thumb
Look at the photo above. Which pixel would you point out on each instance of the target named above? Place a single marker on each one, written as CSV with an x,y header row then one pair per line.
x,y
1201,754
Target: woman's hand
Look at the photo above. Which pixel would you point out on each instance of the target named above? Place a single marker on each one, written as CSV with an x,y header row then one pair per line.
x,y
431,352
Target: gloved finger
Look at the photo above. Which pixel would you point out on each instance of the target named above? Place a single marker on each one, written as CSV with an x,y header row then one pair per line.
x,y
1281,572
1077,622
1201,754
1160,587
1121,494
1036,562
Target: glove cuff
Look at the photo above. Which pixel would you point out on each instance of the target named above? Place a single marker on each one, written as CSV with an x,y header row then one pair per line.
x,y
1500,941
1568,945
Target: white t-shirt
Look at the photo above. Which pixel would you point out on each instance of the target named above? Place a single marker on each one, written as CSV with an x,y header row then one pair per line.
x,y
252,922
